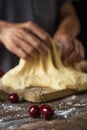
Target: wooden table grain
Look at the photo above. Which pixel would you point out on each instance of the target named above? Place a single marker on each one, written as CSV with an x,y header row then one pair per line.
x,y
70,114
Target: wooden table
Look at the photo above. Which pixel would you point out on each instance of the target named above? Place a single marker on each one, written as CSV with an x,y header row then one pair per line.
x,y
70,114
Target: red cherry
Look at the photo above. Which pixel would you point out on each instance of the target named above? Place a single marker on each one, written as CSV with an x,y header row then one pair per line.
x,y
46,112
34,111
1,73
13,97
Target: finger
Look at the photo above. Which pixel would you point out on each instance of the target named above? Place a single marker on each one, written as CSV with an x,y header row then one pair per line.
x,y
74,54
27,48
67,49
39,32
79,50
72,57
34,41
18,51
67,45
82,51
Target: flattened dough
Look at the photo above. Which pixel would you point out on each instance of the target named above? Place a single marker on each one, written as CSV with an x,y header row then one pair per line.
x,y
48,71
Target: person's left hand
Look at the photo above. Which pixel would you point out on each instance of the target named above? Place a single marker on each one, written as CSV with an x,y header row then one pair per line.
x,y
26,40
72,48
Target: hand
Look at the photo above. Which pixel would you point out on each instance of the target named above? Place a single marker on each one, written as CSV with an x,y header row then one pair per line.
x,y
72,49
26,40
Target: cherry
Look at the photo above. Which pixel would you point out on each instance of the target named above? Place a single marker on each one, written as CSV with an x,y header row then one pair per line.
x,y
1,73
34,111
46,112
13,97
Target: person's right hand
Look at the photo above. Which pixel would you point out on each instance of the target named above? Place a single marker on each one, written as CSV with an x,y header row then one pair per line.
x,y
72,48
26,40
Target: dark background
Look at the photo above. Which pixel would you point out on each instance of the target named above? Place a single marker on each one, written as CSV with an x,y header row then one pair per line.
x,y
81,8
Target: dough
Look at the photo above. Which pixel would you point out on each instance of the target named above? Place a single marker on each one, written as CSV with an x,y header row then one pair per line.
x,y
48,71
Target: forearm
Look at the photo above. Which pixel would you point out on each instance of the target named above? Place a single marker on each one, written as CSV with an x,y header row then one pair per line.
x,y
69,22
69,25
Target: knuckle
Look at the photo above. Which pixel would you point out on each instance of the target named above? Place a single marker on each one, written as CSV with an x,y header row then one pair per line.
x,y
46,37
68,47
23,29
24,55
37,44
30,23
11,47
31,50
